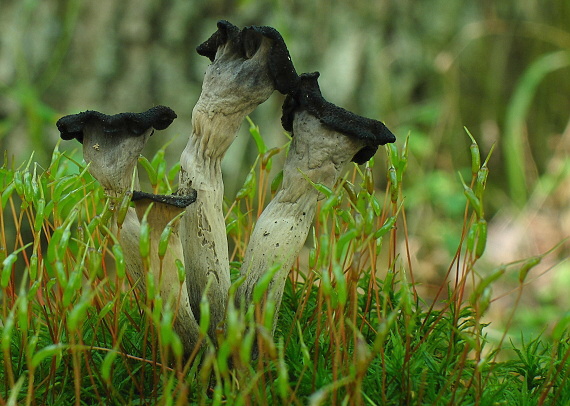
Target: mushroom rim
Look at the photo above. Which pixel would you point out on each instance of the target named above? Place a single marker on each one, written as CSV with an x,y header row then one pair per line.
x,y
180,202
131,124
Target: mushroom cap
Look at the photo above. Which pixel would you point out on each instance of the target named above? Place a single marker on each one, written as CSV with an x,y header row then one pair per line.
x,y
307,97
179,202
245,44
136,124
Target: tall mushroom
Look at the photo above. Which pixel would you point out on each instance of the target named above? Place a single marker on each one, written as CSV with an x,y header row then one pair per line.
x,y
325,138
111,147
247,65
162,216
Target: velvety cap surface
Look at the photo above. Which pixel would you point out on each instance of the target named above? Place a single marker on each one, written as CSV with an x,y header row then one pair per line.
x,y
172,200
135,124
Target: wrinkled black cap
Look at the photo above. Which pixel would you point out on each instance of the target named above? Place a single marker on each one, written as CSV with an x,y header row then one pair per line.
x,y
158,117
307,97
245,44
180,202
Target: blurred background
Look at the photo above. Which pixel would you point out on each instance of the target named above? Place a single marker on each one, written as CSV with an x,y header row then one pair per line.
x,y
427,69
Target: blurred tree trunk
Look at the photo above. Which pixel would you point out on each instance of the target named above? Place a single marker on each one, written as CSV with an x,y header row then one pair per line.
x,y
106,55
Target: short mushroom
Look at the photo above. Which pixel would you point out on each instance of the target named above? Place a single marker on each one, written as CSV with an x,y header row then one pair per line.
x,y
112,144
111,147
247,65
165,212
325,138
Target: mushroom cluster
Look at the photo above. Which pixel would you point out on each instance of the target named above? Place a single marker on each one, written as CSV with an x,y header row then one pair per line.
x,y
247,65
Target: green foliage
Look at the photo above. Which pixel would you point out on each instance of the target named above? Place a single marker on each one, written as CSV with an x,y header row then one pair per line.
x,y
352,328
517,112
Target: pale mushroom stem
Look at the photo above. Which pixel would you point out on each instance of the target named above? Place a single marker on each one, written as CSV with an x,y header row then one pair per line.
x,y
203,229
112,159
317,154
112,162
247,65
165,270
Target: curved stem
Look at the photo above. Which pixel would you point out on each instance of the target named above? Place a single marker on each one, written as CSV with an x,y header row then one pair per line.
x,y
165,270
317,154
